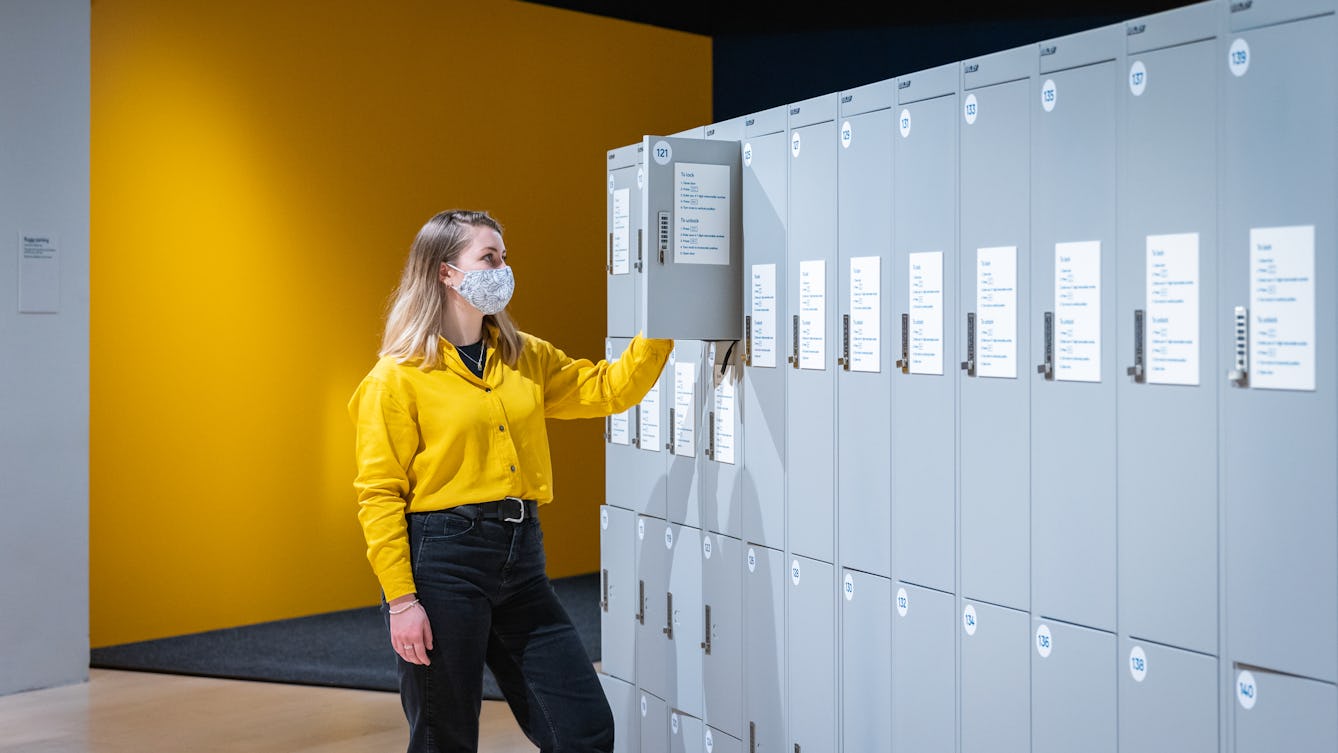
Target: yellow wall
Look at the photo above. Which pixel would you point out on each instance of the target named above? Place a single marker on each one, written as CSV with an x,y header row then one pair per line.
x,y
258,172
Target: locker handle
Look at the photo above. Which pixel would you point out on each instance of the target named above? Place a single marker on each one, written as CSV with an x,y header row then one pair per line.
x,y
1137,370
796,748
640,247
794,359
904,363
608,429
637,439
710,448
1240,376
604,580
969,365
668,628
748,341
706,644
610,264
641,602
1048,368
673,433
752,737
844,360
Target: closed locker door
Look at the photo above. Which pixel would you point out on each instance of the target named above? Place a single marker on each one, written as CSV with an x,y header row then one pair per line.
x,y
924,423
924,670
766,166
993,320
721,460
1168,700
622,487
863,382
623,216
1073,692
1167,449
996,679
1073,150
811,390
654,724
654,542
1279,479
1277,712
683,441
622,697
686,733
649,465
722,656
685,631
866,662
811,623
719,742
618,602
764,652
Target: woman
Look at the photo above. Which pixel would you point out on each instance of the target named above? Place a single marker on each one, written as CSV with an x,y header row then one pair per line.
x,y
452,462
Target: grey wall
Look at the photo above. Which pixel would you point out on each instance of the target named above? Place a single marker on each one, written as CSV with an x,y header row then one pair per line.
x,y
44,184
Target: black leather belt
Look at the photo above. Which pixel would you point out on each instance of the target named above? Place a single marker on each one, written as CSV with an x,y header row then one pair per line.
x,y
508,509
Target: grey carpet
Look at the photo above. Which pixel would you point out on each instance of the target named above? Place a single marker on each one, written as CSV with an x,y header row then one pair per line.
x,y
348,649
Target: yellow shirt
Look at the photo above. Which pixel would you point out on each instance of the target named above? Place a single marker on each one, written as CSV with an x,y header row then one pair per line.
x,y
429,440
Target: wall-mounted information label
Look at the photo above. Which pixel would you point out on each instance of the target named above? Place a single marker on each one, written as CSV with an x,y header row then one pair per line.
x,y
1282,307
926,320
866,308
1078,311
619,425
622,234
1172,327
701,216
685,409
39,274
764,315
724,420
996,312
648,427
813,314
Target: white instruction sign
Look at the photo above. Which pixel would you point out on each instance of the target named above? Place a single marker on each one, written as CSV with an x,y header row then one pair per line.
x,y
648,427
39,274
926,319
813,314
1171,328
618,428
622,231
685,409
1282,307
996,312
1078,311
764,315
865,314
724,420
701,214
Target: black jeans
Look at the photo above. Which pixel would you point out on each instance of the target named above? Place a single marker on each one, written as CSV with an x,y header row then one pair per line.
x,y
488,598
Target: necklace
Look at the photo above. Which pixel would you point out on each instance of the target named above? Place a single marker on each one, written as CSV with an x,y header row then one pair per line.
x,y
477,361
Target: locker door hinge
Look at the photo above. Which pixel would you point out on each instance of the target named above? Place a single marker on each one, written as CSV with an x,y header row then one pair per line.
x,y
1240,376
1137,371
604,577
794,356
672,433
748,341
844,360
668,628
1048,368
610,265
969,365
663,235
904,363
641,602
640,248
710,448
706,644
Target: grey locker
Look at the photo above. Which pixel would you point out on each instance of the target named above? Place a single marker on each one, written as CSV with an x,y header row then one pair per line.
x,y
654,723
1279,479
1286,713
811,389
720,742
683,376
924,670
866,662
625,252
1167,418
811,627
996,678
696,132
720,459
722,656
1073,693
863,381
686,733
924,424
994,414
764,654
692,204
726,130
766,161
648,466
653,649
623,484
618,598
686,631
622,697
1075,113
1168,700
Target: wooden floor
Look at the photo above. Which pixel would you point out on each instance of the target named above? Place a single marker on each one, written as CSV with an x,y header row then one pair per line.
x,y
142,712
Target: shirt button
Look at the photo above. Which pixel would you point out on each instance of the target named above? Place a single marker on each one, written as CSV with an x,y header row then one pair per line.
x,y
501,428
487,389
513,469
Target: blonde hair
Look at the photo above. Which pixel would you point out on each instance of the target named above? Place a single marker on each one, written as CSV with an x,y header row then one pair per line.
x,y
414,319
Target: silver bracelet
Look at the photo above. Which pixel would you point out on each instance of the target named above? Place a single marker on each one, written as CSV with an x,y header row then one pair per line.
x,y
404,608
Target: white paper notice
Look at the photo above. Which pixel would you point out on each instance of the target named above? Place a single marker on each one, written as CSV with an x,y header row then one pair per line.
x,y
926,320
649,420
1282,307
1078,311
865,314
813,314
996,312
618,428
1171,329
724,420
701,219
39,274
685,409
622,231
764,315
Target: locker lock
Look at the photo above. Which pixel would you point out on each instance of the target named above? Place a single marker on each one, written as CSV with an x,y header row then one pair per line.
x,y
1240,375
969,365
1137,371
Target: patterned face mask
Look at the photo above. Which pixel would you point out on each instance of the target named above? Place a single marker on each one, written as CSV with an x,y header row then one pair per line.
x,y
488,290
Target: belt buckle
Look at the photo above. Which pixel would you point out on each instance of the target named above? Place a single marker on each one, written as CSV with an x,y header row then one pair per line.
x,y
520,505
